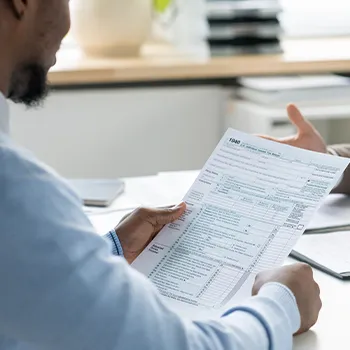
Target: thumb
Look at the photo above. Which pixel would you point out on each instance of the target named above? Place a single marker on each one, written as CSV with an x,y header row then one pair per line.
x,y
298,120
166,216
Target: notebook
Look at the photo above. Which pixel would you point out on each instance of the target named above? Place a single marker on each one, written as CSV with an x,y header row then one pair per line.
x,y
329,252
98,193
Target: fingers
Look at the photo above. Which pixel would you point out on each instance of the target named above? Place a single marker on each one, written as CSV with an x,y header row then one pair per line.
x,y
256,286
166,216
268,138
284,140
162,216
298,120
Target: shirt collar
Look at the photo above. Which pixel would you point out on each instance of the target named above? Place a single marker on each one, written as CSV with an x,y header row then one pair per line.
x,y
4,115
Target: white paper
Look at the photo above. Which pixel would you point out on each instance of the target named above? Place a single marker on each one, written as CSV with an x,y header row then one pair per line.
x,y
331,250
251,202
334,212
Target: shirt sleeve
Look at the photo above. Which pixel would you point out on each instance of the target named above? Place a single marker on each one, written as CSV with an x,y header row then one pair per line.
x,y
276,310
113,238
61,288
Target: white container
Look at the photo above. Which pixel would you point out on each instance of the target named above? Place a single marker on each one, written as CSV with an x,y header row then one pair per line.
x,y
111,28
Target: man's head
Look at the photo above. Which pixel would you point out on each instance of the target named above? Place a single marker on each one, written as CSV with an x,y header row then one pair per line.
x,y
31,32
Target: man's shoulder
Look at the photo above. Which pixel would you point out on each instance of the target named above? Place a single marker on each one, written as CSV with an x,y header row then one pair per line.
x,y
13,153
19,163
20,169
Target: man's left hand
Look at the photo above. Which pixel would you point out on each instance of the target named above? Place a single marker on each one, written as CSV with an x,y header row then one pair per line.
x,y
138,229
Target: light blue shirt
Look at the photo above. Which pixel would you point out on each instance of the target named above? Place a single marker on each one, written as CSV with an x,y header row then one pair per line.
x,y
63,289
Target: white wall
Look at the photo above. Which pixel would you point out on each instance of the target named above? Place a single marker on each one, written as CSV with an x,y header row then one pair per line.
x,y
113,132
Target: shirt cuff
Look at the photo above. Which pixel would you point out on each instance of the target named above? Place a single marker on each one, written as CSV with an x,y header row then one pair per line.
x,y
117,247
277,310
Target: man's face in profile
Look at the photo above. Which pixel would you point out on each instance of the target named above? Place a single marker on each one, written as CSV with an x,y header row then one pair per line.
x,y
41,29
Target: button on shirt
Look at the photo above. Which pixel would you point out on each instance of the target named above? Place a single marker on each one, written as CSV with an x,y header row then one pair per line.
x,y
63,287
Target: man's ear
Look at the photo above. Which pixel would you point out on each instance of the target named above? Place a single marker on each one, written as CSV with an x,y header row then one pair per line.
x,y
19,7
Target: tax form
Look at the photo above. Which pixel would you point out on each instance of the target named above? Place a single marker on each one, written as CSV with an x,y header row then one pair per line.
x,y
246,210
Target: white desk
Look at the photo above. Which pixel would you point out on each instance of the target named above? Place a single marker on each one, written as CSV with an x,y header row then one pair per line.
x,y
333,328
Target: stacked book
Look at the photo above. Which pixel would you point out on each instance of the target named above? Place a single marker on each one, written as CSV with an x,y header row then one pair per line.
x,y
244,26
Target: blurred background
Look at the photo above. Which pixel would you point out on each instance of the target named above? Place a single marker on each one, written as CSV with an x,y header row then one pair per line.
x,y
144,86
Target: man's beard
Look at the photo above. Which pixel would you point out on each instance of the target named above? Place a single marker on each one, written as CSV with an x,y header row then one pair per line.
x,y
29,85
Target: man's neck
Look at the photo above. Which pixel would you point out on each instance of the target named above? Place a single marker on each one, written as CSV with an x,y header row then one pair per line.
x,y
5,77
4,115
3,86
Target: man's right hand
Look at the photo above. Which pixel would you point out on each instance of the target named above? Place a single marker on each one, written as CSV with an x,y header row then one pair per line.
x,y
299,279
307,137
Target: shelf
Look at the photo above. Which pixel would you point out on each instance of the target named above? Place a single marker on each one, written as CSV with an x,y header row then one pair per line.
x,y
164,63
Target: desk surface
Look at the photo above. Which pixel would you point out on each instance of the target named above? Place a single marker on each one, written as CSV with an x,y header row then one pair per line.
x,y
332,330
160,63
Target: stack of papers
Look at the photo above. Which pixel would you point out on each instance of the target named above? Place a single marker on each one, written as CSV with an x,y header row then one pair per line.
x,y
226,9
308,91
238,27
261,103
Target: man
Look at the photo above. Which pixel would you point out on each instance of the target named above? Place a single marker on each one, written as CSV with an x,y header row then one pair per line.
x,y
309,138
61,286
